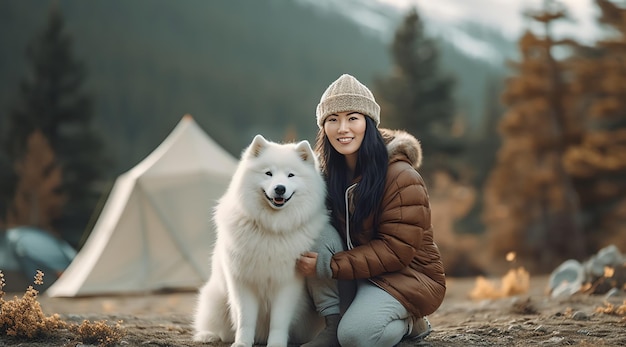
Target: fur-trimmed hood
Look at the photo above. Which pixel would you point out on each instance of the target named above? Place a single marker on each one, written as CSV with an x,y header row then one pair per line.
x,y
402,146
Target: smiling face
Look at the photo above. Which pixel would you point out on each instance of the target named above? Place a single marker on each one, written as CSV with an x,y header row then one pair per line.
x,y
345,132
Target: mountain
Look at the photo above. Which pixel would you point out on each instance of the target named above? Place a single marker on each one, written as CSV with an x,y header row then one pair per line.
x,y
472,52
240,67
468,36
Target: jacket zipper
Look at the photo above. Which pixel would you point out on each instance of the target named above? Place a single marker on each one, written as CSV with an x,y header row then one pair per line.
x,y
348,239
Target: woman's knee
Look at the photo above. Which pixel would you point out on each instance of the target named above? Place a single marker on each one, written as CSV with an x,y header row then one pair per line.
x,y
348,335
367,335
356,330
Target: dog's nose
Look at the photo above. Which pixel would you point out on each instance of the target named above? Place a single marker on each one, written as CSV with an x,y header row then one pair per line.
x,y
279,189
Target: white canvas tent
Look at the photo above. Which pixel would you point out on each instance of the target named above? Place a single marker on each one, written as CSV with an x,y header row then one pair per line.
x,y
155,230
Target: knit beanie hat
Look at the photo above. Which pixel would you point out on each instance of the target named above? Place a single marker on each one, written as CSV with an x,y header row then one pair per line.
x,y
347,94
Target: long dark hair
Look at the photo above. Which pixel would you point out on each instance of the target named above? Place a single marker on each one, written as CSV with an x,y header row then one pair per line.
x,y
371,166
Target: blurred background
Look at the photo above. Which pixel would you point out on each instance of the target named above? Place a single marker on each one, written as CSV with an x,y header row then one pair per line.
x,y
520,106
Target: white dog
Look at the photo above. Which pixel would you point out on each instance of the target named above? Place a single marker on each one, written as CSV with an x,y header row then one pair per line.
x,y
272,212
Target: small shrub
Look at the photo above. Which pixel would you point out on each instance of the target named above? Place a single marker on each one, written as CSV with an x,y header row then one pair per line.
x,y
98,332
23,318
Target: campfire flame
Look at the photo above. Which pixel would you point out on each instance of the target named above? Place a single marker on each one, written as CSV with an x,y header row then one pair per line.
x,y
516,281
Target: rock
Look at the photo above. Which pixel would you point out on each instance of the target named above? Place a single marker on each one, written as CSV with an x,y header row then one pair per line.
x,y
566,279
608,256
579,315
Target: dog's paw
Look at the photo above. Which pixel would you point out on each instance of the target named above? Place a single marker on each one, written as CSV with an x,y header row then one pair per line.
x,y
206,336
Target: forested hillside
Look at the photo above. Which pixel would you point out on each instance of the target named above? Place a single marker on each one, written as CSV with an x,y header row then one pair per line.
x,y
240,67
243,67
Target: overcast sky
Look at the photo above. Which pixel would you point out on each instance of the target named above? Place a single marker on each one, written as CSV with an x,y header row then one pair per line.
x,y
505,15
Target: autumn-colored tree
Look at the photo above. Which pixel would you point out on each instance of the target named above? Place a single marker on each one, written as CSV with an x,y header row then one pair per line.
x,y
531,207
417,96
38,200
598,163
51,100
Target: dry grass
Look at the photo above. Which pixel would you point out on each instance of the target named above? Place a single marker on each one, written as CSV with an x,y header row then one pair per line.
x,y
23,318
616,310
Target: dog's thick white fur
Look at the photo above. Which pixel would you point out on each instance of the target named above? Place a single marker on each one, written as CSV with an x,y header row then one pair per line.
x,y
272,211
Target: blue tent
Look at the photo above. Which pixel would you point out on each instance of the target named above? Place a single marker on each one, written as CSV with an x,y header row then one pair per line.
x,y
24,250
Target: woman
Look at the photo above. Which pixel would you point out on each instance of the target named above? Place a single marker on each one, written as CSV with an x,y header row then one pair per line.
x,y
382,251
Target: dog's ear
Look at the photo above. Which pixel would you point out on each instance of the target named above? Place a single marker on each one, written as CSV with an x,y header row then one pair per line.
x,y
303,148
258,144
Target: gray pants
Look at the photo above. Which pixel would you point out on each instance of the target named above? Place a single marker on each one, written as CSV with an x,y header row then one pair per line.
x,y
370,316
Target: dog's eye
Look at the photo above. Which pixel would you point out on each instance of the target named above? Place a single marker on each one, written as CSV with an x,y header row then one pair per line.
x,y
290,175
269,173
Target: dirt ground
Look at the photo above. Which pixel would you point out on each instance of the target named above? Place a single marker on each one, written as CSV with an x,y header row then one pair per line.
x,y
532,319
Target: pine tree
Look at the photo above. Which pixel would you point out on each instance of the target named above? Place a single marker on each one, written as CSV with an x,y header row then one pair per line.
x,y
531,207
598,163
417,96
51,100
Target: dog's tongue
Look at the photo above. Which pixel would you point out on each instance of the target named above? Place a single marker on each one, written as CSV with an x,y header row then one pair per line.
x,y
279,201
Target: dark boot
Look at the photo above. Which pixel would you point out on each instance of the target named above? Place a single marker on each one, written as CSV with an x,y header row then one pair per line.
x,y
328,336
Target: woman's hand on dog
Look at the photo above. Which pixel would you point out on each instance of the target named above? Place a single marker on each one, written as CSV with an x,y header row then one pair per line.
x,y
306,263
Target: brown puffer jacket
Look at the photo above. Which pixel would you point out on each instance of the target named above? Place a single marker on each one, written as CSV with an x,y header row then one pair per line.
x,y
399,254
